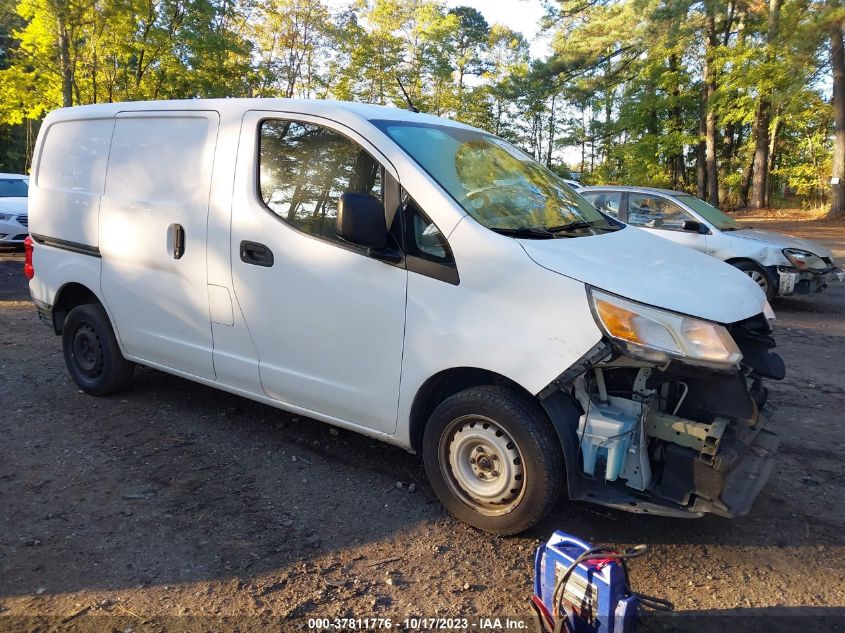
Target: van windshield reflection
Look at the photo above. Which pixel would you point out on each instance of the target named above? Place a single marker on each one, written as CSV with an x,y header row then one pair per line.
x,y
497,184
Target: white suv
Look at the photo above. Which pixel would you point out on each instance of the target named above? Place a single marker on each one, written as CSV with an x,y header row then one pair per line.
x,y
412,279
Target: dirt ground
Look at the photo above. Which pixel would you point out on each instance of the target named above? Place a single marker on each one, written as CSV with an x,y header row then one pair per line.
x,y
172,505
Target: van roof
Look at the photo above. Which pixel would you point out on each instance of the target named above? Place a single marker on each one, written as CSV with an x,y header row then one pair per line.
x,y
232,107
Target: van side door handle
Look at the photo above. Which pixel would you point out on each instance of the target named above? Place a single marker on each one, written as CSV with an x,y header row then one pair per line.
x,y
176,240
256,254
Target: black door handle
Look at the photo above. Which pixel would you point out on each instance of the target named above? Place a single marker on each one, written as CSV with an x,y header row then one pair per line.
x,y
256,254
176,237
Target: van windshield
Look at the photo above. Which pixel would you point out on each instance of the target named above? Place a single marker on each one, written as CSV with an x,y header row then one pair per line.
x,y
13,188
498,185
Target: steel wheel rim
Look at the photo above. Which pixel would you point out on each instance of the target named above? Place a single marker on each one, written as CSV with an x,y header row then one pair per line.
x,y
87,351
482,465
758,278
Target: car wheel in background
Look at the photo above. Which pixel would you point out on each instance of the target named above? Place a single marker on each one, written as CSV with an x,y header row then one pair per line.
x,y
493,459
91,352
759,276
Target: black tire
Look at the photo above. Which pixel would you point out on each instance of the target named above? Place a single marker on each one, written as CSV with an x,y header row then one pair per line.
x,y
536,456
91,352
760,276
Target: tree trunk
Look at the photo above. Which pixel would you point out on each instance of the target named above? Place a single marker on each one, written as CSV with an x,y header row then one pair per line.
x,y
710,158
727,158
461,71
700,163
837,62
64,61
583,142
498,116
607,143
761,152
761,155
745,184
551,139
773,138
676,159
710,117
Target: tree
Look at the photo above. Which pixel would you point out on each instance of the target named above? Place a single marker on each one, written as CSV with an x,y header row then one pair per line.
x,y
471,35
708,96
763,123
837,63
710,85
289,35
507,62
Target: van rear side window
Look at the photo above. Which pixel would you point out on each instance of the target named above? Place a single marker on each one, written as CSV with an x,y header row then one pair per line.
x,y
74,156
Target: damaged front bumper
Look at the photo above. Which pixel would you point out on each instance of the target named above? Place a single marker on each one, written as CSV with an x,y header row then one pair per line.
x,y
791,281
675,439
725,485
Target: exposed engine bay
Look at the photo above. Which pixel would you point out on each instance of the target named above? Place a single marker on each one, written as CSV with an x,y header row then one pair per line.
x,y
675,438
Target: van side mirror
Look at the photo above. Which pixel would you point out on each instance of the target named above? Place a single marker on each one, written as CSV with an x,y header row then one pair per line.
x,y
360,220
693,226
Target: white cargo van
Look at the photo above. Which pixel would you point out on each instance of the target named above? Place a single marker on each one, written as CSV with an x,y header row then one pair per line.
x,y
410,278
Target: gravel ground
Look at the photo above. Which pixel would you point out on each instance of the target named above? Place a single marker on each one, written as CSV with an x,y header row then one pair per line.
x,y
173,505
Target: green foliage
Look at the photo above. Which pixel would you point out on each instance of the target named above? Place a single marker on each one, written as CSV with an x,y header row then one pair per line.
x,y
621,96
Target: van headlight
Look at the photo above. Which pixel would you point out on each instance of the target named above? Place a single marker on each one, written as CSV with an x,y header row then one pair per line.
x,y
658,335
804,260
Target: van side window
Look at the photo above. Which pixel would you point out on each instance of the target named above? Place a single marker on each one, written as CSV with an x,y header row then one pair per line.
x,y
426,240
304,169
428,252
74,156
605,201
655,212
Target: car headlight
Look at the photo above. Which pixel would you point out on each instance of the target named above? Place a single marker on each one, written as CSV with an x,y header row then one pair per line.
x,y
4,217
804,260
658,335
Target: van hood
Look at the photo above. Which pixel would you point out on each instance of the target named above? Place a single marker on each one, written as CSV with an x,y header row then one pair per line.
x,y
642,267
781,240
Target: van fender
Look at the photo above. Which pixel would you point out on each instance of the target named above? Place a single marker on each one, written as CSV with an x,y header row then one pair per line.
x,y
57,269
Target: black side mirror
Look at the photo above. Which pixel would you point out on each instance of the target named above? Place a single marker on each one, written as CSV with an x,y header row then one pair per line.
x,y
693,226
360,220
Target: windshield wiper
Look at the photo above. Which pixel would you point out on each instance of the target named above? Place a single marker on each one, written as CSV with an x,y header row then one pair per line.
x,y
570,226
531,232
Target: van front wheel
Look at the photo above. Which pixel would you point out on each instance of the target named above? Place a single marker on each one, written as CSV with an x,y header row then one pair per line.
x,y
493,459
91,351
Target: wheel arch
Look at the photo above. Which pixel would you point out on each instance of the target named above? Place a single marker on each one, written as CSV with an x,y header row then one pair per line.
x,y
736,260
768,272
446,383
69,296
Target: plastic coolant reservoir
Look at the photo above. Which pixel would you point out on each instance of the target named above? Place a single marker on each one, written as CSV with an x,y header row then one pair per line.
x,y
605,431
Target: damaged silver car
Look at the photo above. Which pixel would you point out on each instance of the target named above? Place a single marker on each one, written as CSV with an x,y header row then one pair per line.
x,y
780,264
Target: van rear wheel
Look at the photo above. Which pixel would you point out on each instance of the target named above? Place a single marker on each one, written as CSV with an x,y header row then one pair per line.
x,y
493,459
91,352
